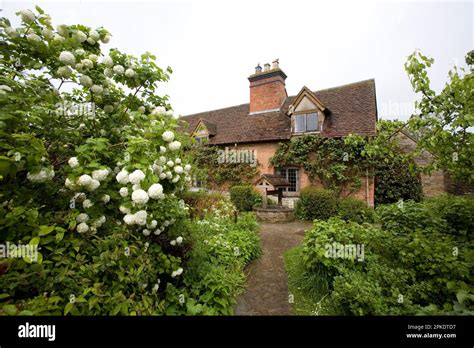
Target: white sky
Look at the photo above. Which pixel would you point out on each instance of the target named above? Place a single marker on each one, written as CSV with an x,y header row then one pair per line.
x,y
213,46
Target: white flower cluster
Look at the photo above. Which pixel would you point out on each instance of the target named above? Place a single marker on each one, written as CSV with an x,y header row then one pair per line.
x,y
73,162
177,241
88,182
100,174
67,58
155,191
4,89
27,16
140,197
176,273
91,183
139,218
44,174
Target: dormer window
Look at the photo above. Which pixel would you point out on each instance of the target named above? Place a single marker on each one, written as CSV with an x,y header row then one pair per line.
x,y
306,122
200,140
203,132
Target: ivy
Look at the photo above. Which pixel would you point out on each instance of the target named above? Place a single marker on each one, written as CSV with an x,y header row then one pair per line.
x,y
336,163
208,168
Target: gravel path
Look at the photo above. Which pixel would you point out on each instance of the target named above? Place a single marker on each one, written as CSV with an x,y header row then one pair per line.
x,y
266,290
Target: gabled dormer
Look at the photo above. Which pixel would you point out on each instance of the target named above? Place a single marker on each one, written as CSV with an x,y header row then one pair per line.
x,y
307,113
203,131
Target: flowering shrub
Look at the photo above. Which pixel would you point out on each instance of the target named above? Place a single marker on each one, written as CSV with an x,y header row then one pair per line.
x,y
221,250
91,165
200,201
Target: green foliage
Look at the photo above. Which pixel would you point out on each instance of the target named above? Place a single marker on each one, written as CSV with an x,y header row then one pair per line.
x,y
336,163
97,191
218,175
457,211
315,203
443,120
221,250
408,268
351,209
405,217
394,181
200,202
309,289
244,197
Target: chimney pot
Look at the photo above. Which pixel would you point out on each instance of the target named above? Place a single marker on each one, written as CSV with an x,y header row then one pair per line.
x,y
275,64
267,88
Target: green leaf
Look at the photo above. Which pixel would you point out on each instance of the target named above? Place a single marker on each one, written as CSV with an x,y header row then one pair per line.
x,y
34,241
39,9
10,309
68,308
59,236
45,230
2,296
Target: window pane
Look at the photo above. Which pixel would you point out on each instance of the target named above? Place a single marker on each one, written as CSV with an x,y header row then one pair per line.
x,y
300,123
312,121
293,178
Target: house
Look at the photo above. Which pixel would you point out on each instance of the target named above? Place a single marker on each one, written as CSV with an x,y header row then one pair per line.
x,y
437,182
271,117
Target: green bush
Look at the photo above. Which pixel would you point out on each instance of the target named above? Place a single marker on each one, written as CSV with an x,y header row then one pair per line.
x,y
201,201
221,249
244,197
309,288
351,209
405,217
426,271
395,181
316,203
457,211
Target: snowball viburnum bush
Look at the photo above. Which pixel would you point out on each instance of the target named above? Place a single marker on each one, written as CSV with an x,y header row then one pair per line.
x,y
56,153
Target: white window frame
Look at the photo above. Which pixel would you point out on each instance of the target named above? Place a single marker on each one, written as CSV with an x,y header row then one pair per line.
x,y
305,115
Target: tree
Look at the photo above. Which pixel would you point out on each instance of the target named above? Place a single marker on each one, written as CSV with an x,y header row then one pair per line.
x,y
88,174
443,121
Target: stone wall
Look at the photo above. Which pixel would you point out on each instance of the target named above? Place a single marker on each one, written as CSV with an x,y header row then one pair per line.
x,y
433,184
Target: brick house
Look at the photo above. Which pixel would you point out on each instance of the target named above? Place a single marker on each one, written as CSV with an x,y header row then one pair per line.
x,y
272,117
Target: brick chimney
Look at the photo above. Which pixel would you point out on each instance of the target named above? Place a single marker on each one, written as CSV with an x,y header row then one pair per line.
x,y
267,88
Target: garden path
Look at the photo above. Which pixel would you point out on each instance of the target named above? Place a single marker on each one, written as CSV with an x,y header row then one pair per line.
x,y
266,290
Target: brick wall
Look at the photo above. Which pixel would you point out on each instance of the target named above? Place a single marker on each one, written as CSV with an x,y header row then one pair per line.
x,y
267,91
433,184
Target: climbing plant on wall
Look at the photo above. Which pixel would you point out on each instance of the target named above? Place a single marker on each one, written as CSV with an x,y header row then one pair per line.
x,y
339,163
218,175
336,163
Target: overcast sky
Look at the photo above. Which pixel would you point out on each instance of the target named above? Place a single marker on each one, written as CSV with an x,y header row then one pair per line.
x,y
213,46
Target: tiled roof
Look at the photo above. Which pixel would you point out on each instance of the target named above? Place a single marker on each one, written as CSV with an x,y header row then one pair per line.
x,y
352,109
275,180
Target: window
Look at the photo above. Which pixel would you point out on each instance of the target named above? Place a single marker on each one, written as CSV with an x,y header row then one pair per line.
x,y
306,122
200,140
293,176
199,183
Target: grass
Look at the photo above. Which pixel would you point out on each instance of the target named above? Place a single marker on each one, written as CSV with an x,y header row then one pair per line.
x,y
310,290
